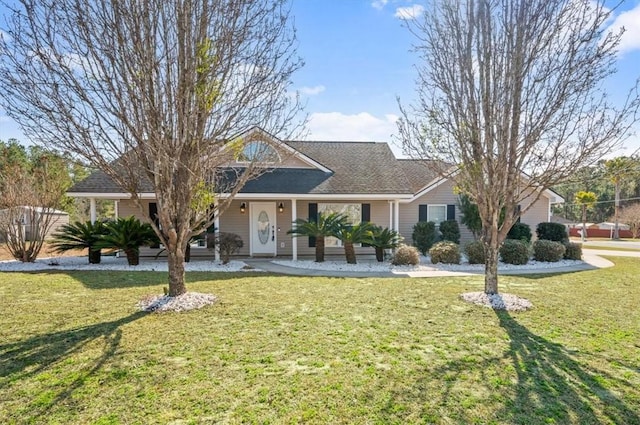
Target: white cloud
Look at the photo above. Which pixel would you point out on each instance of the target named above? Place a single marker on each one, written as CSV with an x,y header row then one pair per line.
x,y
379,4
630,20
409,12
312,91
336,126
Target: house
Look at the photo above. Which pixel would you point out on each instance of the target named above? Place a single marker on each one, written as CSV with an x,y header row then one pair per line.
x,y
361,179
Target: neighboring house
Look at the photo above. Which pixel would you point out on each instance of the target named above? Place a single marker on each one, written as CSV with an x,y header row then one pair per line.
x,y
361,179
25,217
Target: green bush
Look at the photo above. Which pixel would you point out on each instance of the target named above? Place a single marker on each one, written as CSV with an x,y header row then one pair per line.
x,y
552,232
549,251
424,235
521,232
228,244
513,251
445,252
406,255
573,251
475,252
450,231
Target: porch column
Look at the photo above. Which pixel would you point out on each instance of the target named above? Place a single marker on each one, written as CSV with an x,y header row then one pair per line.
x,y
294,241
390,214
396,215
92,209
216,224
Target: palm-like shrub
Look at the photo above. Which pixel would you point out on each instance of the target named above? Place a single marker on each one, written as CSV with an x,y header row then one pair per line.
x,y
382,238
127,234
350,235
80,236
326,225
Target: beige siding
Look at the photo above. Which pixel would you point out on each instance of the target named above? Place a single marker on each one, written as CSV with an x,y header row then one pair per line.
x,y
538,213
441,195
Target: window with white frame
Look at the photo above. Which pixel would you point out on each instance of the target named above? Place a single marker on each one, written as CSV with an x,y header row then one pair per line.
x,y
352,211
437,213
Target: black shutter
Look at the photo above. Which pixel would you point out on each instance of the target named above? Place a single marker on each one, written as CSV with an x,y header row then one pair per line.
x,y
313,217
422,212
451,212
365,212
518,209
153,215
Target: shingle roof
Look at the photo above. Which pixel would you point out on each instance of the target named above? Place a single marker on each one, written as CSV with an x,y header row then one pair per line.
x,y
357,168
418,173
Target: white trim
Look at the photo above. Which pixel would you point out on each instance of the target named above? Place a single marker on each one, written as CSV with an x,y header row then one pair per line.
x,y
294,240
266,196
92,210
396,216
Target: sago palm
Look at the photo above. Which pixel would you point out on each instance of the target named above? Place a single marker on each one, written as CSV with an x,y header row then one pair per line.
x,y
326,225
128,234
350,235
381,239
80,236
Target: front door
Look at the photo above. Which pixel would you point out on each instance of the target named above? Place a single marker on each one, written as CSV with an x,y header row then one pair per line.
x,y
263,228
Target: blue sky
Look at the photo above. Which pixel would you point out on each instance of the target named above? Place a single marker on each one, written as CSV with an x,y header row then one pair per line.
x,y
358,60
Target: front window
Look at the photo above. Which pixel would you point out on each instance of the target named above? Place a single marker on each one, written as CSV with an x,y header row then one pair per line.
x,y
352,211
437,213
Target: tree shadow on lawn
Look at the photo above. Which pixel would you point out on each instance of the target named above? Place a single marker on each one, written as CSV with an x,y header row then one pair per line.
x,y
25,359
535,381
111,279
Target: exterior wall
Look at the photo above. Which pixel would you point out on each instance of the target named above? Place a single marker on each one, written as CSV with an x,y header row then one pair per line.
x,y
441,195
538,213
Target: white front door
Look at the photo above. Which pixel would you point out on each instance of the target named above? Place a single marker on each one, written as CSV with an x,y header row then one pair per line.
x,y
263,228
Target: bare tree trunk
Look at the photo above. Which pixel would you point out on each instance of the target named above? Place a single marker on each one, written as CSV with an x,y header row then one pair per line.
x,y
491,252
350,252
319,249
175,259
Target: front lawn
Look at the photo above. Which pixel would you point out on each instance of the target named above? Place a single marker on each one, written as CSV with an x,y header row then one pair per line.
x,y
73,349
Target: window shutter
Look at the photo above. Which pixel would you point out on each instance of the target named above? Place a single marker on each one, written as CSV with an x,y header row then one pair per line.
x,y
451,212
518,209
313,217
422,212
153,216
365,212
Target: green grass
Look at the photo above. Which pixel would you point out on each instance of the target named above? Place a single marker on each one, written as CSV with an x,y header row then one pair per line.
x,y
73,349
610,248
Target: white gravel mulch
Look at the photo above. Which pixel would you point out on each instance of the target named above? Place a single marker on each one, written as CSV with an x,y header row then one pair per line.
x,y
184,302
119,263
425,265
507,302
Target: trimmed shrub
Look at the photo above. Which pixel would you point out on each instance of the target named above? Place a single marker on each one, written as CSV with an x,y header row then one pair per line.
x,y
513,251
475,252
228,244
573,251
450,231
549,251
552,232
445,252
406,255
521,232
424,236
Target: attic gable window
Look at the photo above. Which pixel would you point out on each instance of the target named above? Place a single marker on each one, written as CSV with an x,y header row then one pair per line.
x,y
259,152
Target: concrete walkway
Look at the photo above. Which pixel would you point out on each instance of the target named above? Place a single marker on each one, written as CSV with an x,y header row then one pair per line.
x,y
592,260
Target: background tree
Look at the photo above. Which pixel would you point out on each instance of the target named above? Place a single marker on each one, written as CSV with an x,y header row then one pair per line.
x,y
510,87
585,200
618,170
32,184
154,90
630,215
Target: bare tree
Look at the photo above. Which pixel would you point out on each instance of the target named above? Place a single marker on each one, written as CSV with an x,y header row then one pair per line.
x,y
31,196
510,92
630,215
154,90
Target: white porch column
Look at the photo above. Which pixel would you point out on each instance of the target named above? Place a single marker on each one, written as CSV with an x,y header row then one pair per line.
x,y
390,214
396,215
294,240
92,209
216,224
116,208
